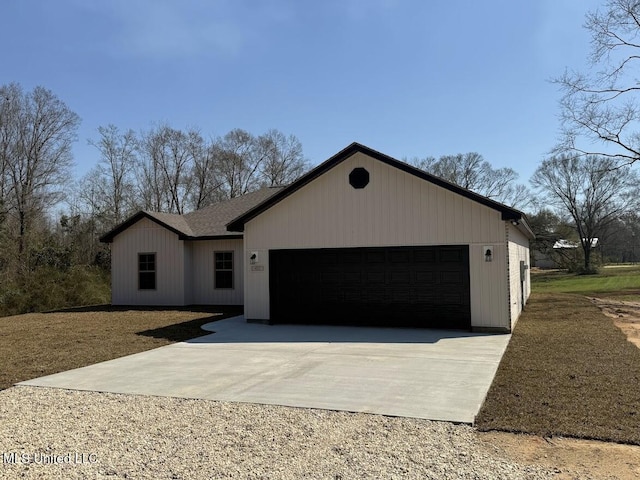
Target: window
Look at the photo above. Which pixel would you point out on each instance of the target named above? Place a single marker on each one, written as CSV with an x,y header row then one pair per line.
x,y
223,269
147,271
359,178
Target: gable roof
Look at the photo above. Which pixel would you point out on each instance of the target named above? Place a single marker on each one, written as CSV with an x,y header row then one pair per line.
x,y
517,217
204,224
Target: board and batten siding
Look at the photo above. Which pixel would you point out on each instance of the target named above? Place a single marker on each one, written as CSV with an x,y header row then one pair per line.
x,y
518,245
395,209
201,272
146,236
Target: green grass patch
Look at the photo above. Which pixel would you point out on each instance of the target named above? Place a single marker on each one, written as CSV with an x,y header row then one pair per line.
x,y
622,281
568,371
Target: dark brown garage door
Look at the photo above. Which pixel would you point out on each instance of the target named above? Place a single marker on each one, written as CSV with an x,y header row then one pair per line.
x,y
390,286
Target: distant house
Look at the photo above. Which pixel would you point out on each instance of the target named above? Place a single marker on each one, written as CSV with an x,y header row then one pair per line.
x,y
570,245
563,250
361,239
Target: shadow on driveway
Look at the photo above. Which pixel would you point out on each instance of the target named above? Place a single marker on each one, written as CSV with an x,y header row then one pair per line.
x,y
237,330
185,331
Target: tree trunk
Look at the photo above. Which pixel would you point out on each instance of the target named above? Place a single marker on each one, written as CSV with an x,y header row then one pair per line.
x,y
587,258
22,220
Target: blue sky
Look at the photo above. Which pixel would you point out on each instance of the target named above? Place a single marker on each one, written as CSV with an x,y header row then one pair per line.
x,y
408,78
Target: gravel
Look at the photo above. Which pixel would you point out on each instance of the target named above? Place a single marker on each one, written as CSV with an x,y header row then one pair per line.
x,y
57,433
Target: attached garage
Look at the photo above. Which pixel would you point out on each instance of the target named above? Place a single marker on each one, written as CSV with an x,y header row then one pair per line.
x,y
368,240
426,286
361,239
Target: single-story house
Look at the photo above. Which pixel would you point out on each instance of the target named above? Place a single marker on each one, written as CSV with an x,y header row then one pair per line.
x,y
361,239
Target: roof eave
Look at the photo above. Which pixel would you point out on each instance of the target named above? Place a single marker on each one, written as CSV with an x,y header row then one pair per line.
x,y
194,238
110,235
520,222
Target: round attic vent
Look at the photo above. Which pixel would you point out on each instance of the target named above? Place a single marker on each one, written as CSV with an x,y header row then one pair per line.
x,y
359,178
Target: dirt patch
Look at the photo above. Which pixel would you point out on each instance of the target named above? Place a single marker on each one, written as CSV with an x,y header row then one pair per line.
x,y
590,458
625,314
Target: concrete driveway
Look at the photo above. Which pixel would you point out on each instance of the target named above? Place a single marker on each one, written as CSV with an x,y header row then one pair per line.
x,y
433,374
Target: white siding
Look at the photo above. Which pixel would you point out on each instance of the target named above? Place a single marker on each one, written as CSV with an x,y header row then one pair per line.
x,y
396,208
188,275
518,251
146,236
201,278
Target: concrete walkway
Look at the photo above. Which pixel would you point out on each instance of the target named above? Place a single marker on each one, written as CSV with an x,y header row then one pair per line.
x,y
433,374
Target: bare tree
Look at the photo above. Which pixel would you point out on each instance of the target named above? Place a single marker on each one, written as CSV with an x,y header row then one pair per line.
x,y
473,172
205,182
619,243
284,161
593,191
10,107
38,157
151,185
601,106
114,173
164,174
238,161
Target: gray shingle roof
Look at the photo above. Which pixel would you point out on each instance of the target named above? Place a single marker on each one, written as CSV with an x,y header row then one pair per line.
x,y
173,220
207,222
212,220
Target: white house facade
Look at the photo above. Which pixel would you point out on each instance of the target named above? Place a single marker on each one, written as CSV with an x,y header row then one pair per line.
x,y
360,239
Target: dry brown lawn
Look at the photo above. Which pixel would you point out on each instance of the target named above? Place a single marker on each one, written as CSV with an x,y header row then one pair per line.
x,y
37,344
568,371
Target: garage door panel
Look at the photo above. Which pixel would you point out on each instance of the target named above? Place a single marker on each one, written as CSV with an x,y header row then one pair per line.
x,y
426,296
399,256
399,278
424,256
328,258
393,286
374,278
452,278
347,258
428,278
454,255
375,296
375,257
330,277
352,295
400,296
451,299
352,278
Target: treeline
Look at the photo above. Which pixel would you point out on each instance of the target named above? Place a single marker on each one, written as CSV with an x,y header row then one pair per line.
x,y
50,260
50,223
175,171
471,171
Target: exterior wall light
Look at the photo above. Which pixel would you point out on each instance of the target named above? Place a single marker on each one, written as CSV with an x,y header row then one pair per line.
x,y
488,253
